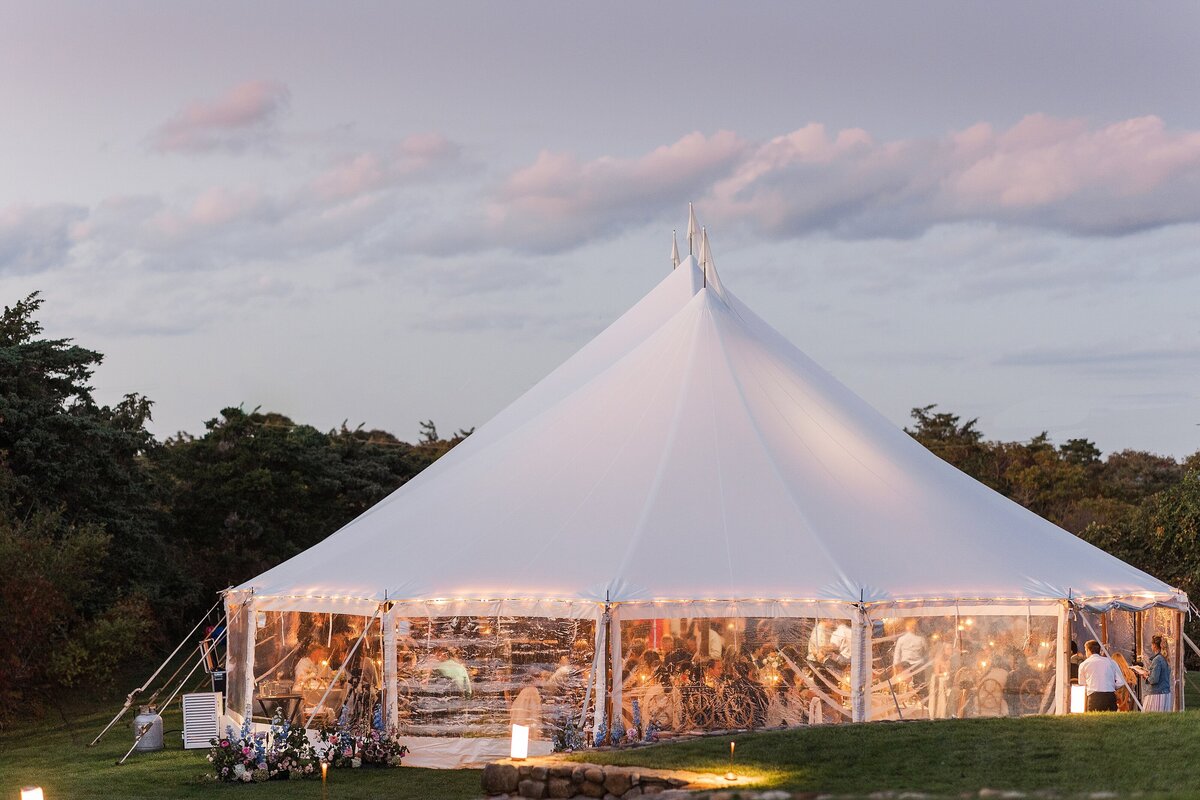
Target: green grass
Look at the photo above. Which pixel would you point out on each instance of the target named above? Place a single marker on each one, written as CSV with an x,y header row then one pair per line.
x,y
52,752
1157,755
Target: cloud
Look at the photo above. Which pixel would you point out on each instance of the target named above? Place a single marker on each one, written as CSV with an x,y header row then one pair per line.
x,y
1167,354
416,157
242,119
559,201
1043,172
1061,175
34,239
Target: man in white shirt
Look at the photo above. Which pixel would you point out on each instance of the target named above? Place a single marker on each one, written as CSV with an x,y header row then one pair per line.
x,y
1101,678
910,654
840,639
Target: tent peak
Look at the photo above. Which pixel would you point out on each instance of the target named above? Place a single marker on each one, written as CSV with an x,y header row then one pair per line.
x,y
693,231
674,250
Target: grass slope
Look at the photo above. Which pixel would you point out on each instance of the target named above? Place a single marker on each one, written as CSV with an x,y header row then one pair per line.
x,y
1127,753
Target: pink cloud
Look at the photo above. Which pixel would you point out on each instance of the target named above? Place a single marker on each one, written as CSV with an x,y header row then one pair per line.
x,y
1060,174
243,118
558,198
417,156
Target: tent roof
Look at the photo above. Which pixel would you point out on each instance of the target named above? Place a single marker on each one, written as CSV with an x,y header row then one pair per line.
x,y
691,453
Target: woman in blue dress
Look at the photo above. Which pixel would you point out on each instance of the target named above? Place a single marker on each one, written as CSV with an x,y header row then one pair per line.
x,y
1158,683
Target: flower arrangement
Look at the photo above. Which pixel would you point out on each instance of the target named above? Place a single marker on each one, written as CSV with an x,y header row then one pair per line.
x,y
286,753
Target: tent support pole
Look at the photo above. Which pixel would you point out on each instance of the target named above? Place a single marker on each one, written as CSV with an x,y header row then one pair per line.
x,y
1062,669
248,677
1177,672
391,708
600,677
860,665
617,669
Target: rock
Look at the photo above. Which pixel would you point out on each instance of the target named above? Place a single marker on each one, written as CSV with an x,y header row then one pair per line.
x,y
500,779
559,787
617,782
523,770
577,774
561,771
676,783
595,775
531,788
591,789
653,789
634,791
539,773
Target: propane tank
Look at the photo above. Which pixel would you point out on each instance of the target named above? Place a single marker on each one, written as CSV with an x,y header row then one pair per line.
x,y
153,738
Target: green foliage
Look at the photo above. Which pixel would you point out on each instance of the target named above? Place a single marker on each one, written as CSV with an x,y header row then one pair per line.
x,y
46,568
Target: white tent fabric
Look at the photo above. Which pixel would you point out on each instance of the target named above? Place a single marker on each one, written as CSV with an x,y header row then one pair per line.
x,y
691,454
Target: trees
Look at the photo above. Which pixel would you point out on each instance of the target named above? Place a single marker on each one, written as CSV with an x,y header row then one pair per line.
x,y
71,488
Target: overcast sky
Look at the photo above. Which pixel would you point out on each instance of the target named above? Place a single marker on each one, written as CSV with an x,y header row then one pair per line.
x,y
384,213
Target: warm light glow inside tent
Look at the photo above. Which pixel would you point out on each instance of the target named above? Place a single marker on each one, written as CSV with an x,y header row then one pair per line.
x,y
689,525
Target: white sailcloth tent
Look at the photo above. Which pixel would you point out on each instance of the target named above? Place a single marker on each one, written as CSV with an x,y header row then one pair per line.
x,y
689,475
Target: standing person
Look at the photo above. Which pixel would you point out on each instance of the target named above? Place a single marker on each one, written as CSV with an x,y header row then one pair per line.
x,y
1099,674
910,654
1158,684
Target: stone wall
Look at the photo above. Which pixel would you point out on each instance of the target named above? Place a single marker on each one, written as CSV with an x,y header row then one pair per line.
x,y
573,781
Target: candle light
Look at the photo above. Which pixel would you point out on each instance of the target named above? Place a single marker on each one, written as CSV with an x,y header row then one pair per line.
x,y
520,742
731,775
31,793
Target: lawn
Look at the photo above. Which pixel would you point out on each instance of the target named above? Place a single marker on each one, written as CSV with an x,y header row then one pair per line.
x,y
1156,755
52,752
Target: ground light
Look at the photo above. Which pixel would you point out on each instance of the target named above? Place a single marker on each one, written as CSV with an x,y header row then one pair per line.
x,y
520,742
731,775
1078,698
32,793
324,772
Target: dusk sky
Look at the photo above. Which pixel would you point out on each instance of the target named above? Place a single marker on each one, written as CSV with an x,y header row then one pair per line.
x,y
384,213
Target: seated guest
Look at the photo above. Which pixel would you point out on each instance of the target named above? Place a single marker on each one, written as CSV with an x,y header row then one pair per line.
x,y
446,665
1075,661
313,667
818,641
1101,678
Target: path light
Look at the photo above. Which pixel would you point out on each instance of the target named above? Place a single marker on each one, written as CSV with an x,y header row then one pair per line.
x,y
1078,698
520,742
324,772
31,793
731,775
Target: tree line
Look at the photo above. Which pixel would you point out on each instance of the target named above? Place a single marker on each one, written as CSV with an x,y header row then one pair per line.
x,y
113,542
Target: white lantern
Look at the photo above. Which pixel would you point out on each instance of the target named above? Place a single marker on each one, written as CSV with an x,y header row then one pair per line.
x,y
32,793
1078,698
520,742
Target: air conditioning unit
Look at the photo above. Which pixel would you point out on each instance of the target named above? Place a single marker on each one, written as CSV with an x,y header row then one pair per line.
x,y
201,719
